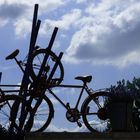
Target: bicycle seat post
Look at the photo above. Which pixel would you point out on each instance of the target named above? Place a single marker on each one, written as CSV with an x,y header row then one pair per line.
x,y
19,64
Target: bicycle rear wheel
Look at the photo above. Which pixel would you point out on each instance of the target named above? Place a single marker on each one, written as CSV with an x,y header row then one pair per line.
x,y
37,59
95,112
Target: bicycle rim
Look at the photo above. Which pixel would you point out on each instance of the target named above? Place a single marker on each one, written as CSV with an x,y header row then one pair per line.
x,y
37,59
6,104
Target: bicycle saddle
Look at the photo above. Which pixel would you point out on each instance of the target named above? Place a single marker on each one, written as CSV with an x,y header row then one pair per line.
x,y
84,78
12,55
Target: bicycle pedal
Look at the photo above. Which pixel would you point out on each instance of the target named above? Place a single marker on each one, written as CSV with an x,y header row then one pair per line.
x,y
79,124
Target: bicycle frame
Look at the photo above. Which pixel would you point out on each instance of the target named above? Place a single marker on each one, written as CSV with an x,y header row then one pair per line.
x,y
83,88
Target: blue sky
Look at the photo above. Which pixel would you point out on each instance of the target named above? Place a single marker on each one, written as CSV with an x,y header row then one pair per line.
x,y
98,38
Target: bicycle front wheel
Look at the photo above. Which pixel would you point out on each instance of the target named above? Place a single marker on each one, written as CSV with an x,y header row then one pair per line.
x,y
95,112
37,59
6,103
43,115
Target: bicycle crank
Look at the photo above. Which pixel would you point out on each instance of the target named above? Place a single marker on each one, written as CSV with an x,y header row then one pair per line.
x,y
72,115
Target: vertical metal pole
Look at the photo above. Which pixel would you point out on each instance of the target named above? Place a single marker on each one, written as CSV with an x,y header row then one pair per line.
x,y
25,79
48,50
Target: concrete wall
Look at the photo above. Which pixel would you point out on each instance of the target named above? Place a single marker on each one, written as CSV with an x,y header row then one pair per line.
x,y
84,136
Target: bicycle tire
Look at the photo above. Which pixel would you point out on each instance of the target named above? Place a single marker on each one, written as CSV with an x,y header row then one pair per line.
x,y
41,123
36,57
6,102
98,120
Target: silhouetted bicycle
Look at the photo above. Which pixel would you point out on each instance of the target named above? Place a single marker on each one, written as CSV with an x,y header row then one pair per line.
x,y
93,111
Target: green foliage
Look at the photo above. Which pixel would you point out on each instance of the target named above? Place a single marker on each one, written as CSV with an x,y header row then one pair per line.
x,y
129,90
122,90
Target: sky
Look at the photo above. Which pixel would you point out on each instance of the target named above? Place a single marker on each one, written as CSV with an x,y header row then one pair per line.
x,y
98,38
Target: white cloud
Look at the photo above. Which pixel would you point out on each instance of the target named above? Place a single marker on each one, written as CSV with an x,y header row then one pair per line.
x,y
65,22
22,27
54,101
54,128
80,1
110,35
106,32
16,12
3,22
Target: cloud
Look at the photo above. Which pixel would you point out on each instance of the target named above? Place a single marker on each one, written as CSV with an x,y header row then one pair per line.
x,y
3,22
11,11
104,32
54,101
54,128
81,1
17,12
65,22
22,27
110,35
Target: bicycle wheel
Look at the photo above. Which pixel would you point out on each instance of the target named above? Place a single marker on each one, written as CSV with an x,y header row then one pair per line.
x,y
95,112
6,103
37,59
42,116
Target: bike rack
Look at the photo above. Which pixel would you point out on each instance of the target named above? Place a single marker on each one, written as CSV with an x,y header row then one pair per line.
x,y
43,81
25,80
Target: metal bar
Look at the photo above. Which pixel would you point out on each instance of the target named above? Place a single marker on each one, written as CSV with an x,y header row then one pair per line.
x,y
57,98
54,68
10,85
79,98
6,91
25,79
52,38
19,64
67,86
64,86
36,32
48,50
34,23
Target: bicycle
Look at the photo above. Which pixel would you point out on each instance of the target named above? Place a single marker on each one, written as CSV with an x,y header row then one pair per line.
x,y
94,109
94,102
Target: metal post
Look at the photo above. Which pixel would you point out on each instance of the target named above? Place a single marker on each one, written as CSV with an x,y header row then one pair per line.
x,y
25,79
